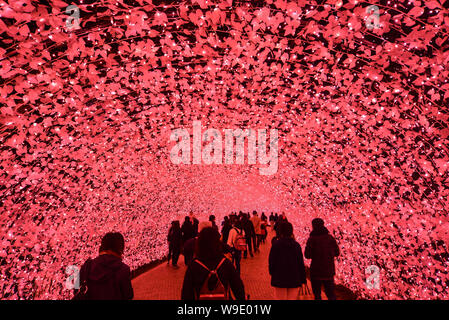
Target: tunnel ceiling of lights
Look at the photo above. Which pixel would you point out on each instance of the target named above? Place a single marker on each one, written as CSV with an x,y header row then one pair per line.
x,y
357,91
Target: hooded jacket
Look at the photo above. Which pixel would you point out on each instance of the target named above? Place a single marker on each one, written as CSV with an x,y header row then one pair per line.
x,y
286,264
108,278
322,248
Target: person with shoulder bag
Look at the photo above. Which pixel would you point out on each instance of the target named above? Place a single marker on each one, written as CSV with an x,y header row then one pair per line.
x,y
106,277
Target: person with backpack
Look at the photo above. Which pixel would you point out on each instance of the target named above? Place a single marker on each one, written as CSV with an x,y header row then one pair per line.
x,y
211,276
322,248
106,277
286,265
237,242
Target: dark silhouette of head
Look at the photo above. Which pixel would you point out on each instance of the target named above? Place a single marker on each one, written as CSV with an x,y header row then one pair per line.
x,y
209,246
187,219
317,223
237,223
254,213
212,218
113,241
286,230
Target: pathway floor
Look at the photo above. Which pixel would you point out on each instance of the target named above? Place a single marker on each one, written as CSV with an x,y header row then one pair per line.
x,y
164,282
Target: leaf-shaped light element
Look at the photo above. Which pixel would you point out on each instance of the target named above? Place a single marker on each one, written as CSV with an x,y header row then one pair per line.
x,y
416,11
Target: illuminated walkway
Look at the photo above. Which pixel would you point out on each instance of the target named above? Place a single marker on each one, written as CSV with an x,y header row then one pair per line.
x,y
164,282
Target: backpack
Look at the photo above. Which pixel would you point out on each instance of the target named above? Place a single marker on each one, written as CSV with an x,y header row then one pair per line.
x,y
213,290
240,242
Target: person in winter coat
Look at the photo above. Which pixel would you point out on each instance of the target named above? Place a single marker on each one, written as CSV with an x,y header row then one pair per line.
x,y
250,233
194,221
107,277
209,255
174,243
322,248
258,232
264,229
195,225
271,219
187,230
225,229
286,264
235,231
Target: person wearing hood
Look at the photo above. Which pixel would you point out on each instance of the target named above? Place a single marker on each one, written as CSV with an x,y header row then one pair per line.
x,y
322,248
286,264
106,277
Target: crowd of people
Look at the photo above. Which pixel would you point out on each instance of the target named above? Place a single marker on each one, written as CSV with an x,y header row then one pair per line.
x,y
213,258
248,232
